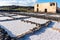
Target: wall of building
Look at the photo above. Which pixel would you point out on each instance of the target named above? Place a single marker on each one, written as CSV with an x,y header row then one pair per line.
x,y
45,6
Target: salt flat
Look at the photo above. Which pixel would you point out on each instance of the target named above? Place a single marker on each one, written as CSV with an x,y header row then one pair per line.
x,y
54,15
1,15
37,20
4,18
44,14
18,16
49,34
8,14
17,27
56,25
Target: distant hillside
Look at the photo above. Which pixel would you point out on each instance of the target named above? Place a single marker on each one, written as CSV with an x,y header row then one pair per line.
x,y
17,8
14,8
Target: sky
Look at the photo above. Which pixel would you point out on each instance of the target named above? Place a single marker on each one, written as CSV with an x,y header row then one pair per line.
x,y
25,2
42,1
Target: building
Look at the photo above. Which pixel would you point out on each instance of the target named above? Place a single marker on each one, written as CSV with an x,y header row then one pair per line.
x,y
46,7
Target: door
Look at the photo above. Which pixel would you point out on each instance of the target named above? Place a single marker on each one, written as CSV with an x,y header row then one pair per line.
x,y
45,10
37,10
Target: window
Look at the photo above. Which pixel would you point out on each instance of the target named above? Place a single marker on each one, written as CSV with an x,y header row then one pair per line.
x,y
37,5
45,10
52,4
37,10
